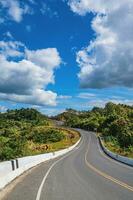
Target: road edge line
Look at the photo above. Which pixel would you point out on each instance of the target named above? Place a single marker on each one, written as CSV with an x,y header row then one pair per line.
x,y
54,164
120,183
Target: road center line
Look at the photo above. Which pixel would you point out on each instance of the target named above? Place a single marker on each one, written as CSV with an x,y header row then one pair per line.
x,y
104,174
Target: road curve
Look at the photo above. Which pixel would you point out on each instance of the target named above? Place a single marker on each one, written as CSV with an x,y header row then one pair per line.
x,y
85,173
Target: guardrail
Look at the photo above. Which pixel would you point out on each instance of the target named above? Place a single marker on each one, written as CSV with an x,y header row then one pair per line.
x,y
122,159
9,170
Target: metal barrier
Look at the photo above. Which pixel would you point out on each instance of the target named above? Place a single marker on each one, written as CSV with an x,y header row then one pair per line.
x,y
122,159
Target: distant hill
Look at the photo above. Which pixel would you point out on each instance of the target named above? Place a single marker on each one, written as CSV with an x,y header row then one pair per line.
x,y
64,116
16,127
27,132
28,114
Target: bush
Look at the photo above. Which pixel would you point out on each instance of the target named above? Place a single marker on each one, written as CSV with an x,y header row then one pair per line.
x,y
113,120
47,136
121,129
7,153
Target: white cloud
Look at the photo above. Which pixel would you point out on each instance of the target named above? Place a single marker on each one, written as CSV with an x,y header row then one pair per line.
x,y
38,97
3,109
15,9
108,60
85,95
41,57
51,111
46,10
11,48
99,6
26,80
8,34
102,102
64,97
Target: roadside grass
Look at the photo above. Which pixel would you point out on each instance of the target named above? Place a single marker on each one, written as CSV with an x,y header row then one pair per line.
x,y
115,147
70,137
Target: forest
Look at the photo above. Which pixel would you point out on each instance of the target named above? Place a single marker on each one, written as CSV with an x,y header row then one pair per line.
x,y
28,132
114,123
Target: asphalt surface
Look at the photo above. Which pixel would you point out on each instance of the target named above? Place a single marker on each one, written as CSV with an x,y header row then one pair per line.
x,y
85,173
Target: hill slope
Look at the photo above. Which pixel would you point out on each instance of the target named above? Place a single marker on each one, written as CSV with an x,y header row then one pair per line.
x,y
114,123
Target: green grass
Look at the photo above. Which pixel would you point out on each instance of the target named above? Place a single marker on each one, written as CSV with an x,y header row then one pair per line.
x,y
33,141
70,137
115,147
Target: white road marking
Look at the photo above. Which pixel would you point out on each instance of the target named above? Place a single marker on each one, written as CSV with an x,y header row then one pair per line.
x,y
99,172
46,175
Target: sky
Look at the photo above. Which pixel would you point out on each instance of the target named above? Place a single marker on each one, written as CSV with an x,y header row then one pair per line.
x,y
58,54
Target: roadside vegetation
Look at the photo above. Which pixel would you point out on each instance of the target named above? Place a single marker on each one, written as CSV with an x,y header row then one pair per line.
x,y
114,123
27,132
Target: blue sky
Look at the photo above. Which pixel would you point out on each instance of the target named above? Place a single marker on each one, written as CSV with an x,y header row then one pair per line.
x,y
57,54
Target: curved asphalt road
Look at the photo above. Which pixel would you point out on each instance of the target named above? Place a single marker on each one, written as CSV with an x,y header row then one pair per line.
x,y
86,173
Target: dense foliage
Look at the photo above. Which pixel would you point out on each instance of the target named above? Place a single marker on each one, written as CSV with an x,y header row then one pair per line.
x,y
28,115
115,122
45,135
21,128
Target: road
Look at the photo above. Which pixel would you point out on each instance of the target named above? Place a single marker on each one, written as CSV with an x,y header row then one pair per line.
x,y
85,173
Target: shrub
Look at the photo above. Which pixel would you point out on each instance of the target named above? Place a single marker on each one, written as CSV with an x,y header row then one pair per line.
x,y
47,136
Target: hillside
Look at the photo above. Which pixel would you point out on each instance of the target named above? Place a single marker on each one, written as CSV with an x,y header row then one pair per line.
x,y
14,126
28,132
114,123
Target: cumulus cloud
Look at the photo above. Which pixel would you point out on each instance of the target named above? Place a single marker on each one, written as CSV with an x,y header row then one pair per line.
x,y
108,60
38,97
41,57
25,74
15,9
99,6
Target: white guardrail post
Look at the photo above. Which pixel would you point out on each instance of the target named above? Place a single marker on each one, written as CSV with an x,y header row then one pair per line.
x,y
9,170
